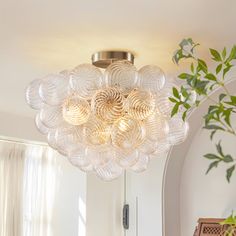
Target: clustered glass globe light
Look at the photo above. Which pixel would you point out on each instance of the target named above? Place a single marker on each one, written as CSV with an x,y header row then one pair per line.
x,y
107,122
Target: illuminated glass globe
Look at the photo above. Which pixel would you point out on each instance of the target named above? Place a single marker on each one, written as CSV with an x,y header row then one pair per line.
x,y
110,121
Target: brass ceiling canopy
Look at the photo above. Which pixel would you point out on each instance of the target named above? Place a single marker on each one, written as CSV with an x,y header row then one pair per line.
x,y
103,59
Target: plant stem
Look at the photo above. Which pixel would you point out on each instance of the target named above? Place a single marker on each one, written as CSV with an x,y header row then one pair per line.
x,y
226,90
228,129
212,100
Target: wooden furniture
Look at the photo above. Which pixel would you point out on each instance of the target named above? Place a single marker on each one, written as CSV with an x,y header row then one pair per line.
x,y
210,227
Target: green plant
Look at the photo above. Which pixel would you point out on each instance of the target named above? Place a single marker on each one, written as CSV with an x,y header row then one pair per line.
x,y
230,222
199,83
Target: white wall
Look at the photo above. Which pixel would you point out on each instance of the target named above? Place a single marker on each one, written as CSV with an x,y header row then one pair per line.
x,y
205,195
69,214
144,195
104,206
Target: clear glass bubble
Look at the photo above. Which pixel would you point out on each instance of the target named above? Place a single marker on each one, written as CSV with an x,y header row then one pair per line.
x,y
121,74
51,116
127,160
87,168
98,158
142,163
54,89
32,95
96,133
76,111
151,78
51,138
157,127
80,161
40,126
108,104
108,171
162,147
178,130
69,141
127,134
140,104
85,79
147,147
164,105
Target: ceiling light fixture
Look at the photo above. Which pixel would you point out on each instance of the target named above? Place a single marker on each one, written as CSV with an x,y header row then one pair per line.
x,y
107,121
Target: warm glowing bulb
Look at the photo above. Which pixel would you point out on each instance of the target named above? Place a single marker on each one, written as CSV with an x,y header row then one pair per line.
x,y
127,134
96,132
140,104
108,104
76,111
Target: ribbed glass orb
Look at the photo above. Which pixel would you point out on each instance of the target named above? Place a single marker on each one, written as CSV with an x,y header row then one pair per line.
x,y
100,157
108,104
151,78
51,138
157,127
51,116
121,74
40,126
164,105
32,95
140,104
87,168
127,160
85,79
141,164
76,111
69,141
148,146
127,134
108,171
178,130
54,89
80,161
96,133
162,147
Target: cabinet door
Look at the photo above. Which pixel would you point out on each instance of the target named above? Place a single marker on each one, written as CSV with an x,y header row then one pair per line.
x,y
144,196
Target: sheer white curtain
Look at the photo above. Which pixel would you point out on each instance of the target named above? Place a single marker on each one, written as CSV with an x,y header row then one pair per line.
x,y
27,189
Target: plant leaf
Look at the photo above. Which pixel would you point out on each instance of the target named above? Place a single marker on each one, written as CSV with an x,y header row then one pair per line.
x,y
232,54
212,134
229,221
226,69
228,158
185,76
211,156
219,148
175,92
213,127
202,65
212,165
229,172
184,115
173,100
210,77
224,53
221,97
175,109
215,54
218,68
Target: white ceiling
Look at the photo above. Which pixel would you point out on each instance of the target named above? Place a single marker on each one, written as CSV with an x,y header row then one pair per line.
x,y
42,36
